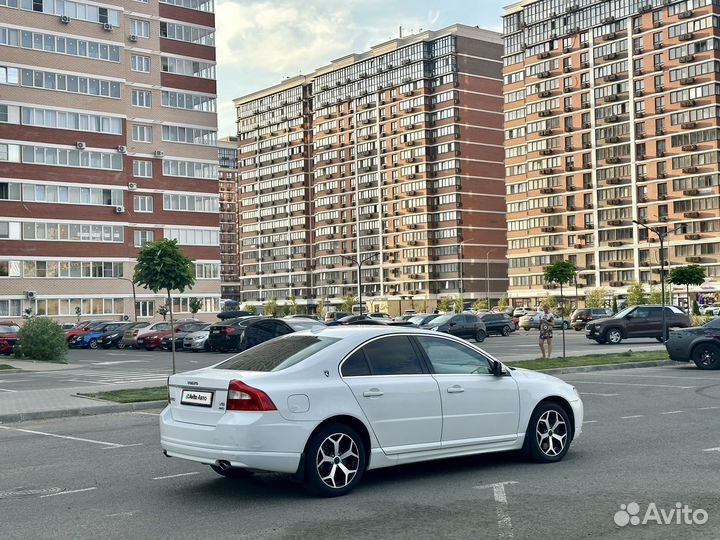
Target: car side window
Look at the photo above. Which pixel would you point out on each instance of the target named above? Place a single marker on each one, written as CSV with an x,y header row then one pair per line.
x,y
393,355
655,312
469,319
281,329
356,365
641,313
450,358
258,333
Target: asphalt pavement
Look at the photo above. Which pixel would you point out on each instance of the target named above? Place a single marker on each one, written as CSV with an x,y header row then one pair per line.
x,y
650,440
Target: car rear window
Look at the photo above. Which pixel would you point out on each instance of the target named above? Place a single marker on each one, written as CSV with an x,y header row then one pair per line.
x,y
278,354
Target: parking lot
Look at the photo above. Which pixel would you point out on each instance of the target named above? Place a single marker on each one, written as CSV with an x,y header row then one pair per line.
x,y
650,437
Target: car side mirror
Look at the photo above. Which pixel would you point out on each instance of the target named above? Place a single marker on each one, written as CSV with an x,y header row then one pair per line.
x,y
497,369
452,324
629,316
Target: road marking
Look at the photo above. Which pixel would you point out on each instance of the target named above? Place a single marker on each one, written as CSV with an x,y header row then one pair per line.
x,y
503,516
656,376
712,449
597,394
175,475
633,416
7,390
672,412
116,362
632,384
79,439
121,514
707,408
589,421
123,446
13,380
67,492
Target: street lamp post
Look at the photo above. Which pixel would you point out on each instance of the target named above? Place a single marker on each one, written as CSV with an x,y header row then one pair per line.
x,y
359,263
134,297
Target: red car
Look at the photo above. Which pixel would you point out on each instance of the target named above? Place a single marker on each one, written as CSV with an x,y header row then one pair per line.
x,y
84,327
8,337
152,340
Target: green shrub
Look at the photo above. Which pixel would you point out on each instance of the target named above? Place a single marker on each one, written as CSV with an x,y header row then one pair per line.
x,y
43,339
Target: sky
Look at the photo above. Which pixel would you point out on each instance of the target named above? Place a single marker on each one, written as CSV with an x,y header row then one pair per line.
x,y
261,42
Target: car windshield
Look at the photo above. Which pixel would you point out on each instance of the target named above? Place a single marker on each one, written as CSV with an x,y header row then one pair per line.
x,y
712,323
277,354
442,319
579,312
417,319
622,313
303,324
5,329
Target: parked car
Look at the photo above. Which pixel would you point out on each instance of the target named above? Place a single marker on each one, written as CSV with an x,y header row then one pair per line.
x,y
227,315
713,310
246,332
532,320
114,338
253,411
701,344
381,316
520,311
131,336
180,333
643,321
198,340
464,325
500,324
580,317
420,319
83,327
67,326
153,340
8,337
334,316
303,316
90,338
299,324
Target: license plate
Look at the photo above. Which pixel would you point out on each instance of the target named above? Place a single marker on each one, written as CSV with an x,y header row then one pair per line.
x,y
194,397
216,331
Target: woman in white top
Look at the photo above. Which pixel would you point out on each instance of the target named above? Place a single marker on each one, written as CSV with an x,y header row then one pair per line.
x,y
546,331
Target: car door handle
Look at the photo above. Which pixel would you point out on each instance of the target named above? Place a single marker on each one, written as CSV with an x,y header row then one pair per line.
x,y
456,389
373,392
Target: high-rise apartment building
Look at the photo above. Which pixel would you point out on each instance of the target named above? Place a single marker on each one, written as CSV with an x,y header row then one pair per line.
x,y
392,158
610,118
107,141
228,189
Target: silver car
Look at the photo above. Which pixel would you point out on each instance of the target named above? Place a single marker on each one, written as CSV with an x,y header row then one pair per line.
x,y
532,320
198,340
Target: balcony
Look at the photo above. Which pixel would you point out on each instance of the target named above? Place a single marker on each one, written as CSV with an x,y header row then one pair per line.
x,y
692,236
690,170
615,243
691,214
688,125
617,284
693,259
616,264
547,209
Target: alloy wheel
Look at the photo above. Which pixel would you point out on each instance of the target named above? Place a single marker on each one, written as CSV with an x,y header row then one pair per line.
x,y
337,460
551,433
614,336
707,356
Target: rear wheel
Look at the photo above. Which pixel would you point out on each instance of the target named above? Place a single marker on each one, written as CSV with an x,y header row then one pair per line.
x,y
505,331
232,472
548,434
480,336
120,344
334,460
565,325
93,344
613,336
706,356
660,339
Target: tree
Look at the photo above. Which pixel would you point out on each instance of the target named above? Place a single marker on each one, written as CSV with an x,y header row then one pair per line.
x,y
480,303
503,302
293,305
250,308
321,306
636,295
348,303
272,308
445,303
692,274
695,308
41,338
163,311
161,265
562,272
655,296
596,297
550,301
458,304
195,305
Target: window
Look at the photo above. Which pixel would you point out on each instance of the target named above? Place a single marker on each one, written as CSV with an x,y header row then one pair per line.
x,y
393,356
140,28
142,169
145,308
356,365
277,354
142,98
448,357
143,237
140,63
142,133
143,203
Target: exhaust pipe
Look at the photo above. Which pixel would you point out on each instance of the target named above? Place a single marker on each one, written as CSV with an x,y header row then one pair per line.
x,y
224,465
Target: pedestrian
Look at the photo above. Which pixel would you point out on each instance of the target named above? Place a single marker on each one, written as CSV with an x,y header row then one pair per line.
x,y
546,331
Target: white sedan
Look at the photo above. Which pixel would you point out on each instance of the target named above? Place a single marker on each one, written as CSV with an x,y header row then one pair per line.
x,y
331,403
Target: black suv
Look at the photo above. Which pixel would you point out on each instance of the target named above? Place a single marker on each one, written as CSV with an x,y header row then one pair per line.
x,y
581,317
245,332
464,325
498,323
636,322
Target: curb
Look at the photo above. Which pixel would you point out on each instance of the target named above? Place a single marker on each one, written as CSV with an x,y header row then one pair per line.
x,y
606,367
80,411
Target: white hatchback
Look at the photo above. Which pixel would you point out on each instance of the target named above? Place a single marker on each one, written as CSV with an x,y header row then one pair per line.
x,y
332,403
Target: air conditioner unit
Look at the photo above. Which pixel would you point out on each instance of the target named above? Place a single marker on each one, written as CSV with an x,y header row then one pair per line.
x,y
159,153
107,26
80,145
30,295
132,186
64,19
122,149
119,209
132,37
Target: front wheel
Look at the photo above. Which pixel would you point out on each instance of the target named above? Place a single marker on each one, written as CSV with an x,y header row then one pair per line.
x,y
506,331
120,344
93,344
548,434
480,336
706,356
565,325
334,460
613,336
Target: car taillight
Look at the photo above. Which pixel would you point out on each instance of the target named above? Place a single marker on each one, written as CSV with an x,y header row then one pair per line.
x,y
135,332
230,330
242,397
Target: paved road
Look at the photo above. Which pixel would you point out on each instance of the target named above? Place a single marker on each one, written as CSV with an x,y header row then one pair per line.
x,y
651,437
127,367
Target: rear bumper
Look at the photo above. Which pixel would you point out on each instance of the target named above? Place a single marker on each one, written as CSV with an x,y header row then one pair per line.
x,y
246,440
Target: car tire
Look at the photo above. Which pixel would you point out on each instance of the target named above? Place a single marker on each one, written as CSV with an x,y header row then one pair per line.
x,y
613,336
505,331
480,336
121,345
323,476
232,472
706,356
659,339
526,328
565,325
93,344
548,434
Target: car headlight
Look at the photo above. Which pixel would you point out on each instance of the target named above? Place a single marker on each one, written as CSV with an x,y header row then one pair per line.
x,y
113,336
434,328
